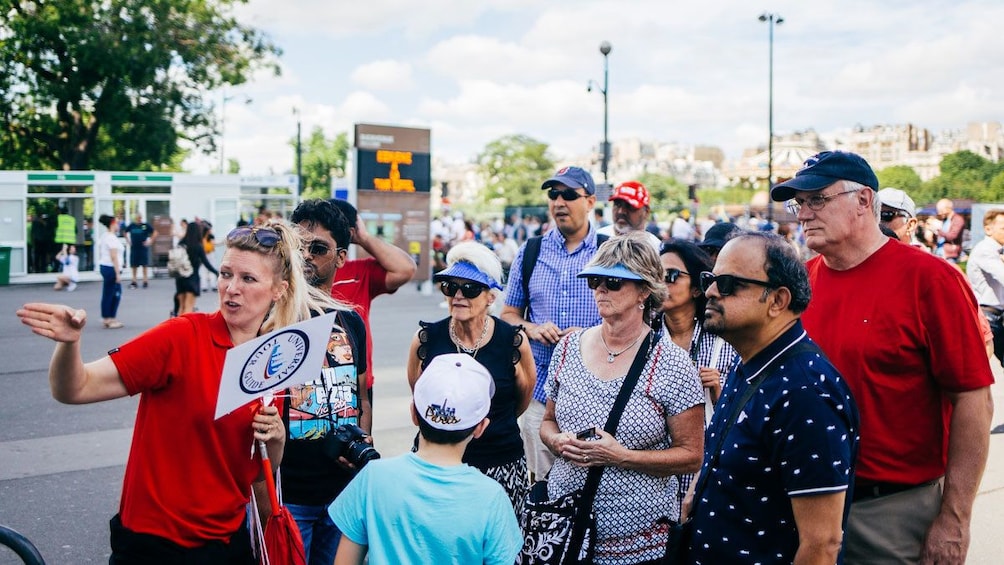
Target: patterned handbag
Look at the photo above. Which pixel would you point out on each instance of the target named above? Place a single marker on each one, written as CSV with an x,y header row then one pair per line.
x,y
548,526
563,531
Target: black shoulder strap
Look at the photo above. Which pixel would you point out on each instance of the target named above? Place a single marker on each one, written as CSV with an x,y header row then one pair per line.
x,y
801,346
530,254
595,473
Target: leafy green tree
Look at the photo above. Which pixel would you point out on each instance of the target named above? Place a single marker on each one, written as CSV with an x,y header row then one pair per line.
x,y
902,177
117,84
323,159
665,192
513,167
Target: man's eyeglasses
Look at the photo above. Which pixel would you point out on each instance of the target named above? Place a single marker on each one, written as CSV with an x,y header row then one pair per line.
x,y
673,274
266,237
816,202
468,289
316,248
613,284
567,194
727,284
890,215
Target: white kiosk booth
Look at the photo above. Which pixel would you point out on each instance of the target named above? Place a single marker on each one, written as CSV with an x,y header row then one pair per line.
x,y
28,197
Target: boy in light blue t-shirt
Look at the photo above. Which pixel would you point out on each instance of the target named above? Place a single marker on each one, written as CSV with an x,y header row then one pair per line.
x,y
429,507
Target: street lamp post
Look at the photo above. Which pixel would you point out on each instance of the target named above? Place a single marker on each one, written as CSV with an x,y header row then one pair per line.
x,y
772,20
299,156
605,48
223,126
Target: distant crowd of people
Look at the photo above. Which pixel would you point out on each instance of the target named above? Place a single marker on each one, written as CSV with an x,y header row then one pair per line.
x,y
725,393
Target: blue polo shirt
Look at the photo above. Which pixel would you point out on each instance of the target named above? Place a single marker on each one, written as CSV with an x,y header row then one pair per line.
x,y
797,436
556,295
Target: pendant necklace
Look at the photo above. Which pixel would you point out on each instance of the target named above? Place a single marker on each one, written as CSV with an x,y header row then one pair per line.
x,y
472,351
611,356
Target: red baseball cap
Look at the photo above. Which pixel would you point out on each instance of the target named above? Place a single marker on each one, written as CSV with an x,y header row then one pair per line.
x,y
632,192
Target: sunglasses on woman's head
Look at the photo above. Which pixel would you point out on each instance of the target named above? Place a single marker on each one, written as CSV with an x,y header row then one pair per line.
x,y
467,289
673,274
613,284
265,236
567,194
727,284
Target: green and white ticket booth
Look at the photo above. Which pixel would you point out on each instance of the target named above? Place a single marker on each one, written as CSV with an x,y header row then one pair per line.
x,y
31,200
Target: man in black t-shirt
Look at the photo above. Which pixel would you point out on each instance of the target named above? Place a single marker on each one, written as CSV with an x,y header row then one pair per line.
x,y
139,247
313,472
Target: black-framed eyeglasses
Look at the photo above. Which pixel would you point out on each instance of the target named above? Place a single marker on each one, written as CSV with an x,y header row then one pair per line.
x,y
816,202
468,289
673,274
613,284
567,194
727,284
890,215
265,236
316,248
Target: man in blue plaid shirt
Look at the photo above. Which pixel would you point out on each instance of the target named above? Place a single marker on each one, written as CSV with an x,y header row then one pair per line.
x,y
558,302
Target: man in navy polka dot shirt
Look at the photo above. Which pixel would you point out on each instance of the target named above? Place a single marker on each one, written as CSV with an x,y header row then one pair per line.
x,y
777,482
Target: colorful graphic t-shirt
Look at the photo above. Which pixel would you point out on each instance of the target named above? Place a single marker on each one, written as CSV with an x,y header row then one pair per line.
x,y
316,409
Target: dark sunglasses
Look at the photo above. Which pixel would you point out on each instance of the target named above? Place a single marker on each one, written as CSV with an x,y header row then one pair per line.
x,y
890,215
266,237
673,274
316,248
613,284
727,283
468,289
567,195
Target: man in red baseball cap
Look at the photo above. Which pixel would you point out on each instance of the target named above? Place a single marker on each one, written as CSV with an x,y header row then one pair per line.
x,y
631,211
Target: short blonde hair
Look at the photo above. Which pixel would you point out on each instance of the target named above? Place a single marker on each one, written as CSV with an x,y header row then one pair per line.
x,y
634,251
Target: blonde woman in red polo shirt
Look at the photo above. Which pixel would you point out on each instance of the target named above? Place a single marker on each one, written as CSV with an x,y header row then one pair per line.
x,y
189,476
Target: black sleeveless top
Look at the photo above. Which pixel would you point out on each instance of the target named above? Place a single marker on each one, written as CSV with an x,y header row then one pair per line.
x,y
501,442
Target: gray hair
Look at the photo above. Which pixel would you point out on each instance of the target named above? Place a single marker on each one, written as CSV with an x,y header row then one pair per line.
x,y
856,186
478,255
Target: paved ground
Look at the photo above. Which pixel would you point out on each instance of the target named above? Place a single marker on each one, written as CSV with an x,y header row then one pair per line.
x,y
61,466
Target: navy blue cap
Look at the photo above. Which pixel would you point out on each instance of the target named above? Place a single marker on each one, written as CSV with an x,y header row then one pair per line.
x,y
572,177
822,170
718,234
466,270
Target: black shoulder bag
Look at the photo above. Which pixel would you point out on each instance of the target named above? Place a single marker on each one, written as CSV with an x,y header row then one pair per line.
x,y
679,533
563,531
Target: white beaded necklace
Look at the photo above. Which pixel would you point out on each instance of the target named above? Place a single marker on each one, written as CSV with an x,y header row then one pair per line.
x,y
461,348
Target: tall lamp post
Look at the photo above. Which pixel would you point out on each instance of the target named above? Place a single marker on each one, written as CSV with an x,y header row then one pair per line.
x,y
299,156
605,48
223,126
772,20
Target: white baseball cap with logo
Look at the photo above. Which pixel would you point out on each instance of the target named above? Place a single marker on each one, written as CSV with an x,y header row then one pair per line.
x,y
454,392
896,198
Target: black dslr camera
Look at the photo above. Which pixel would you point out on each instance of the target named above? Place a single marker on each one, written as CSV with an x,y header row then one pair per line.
x,y
347,441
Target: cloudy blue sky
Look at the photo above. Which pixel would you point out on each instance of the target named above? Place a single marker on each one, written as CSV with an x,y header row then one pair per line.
x,y
688,72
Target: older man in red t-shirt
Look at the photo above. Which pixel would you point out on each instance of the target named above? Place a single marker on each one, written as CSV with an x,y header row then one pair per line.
x,y
897,324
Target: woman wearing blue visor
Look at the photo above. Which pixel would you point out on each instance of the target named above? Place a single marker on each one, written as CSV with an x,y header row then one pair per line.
x,y
660,432
470,283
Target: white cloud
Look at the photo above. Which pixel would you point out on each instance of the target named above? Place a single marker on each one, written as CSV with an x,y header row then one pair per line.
x,y
384,75
692,73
